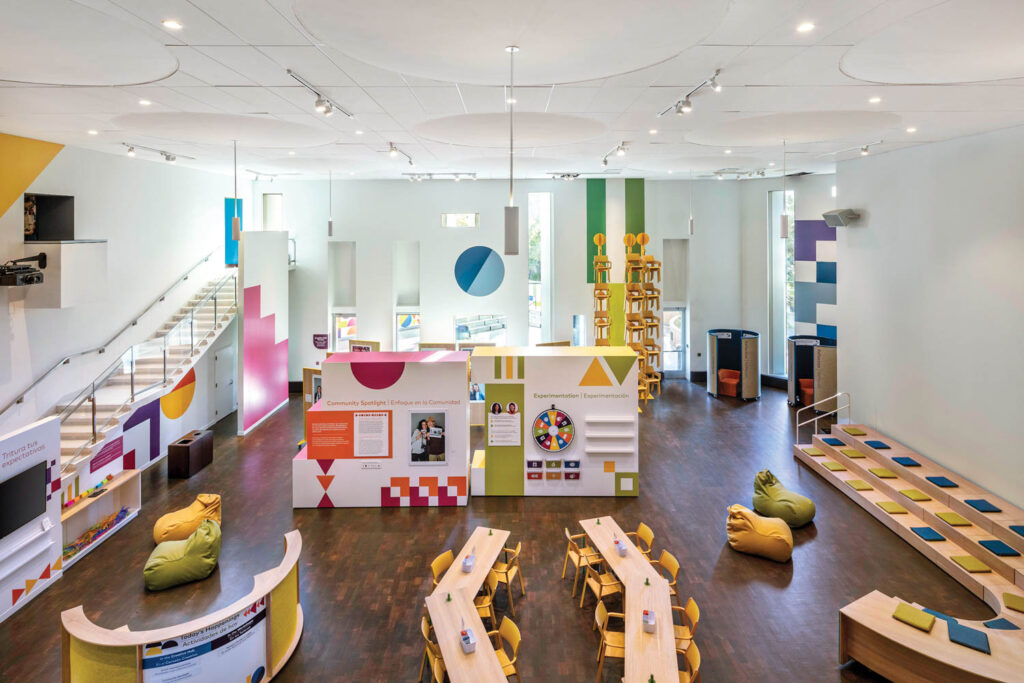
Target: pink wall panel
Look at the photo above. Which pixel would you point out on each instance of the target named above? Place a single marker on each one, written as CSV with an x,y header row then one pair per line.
x,y
264,362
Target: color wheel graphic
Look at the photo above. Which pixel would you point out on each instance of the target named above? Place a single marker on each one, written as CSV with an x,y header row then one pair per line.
x,y
553,430
479,271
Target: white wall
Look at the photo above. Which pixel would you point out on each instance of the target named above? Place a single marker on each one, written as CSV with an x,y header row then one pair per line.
x,y
931,302
159,220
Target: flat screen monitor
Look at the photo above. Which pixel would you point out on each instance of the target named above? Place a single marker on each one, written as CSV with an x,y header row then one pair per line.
x,y
22,498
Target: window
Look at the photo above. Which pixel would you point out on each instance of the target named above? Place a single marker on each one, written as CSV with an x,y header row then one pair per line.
x,y
344,330
539,264
673,342
491,329
781,279
460,220
579,330
273,211
407,332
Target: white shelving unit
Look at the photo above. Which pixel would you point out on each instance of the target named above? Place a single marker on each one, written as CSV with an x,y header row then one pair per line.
x,y
124,490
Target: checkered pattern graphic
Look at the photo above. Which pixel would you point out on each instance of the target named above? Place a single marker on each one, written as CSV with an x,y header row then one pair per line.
x,y
814,296
425,492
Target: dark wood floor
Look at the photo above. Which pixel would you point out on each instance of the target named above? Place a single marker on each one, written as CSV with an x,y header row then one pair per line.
x,y
365,574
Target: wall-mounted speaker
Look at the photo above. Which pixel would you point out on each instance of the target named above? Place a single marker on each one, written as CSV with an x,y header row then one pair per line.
x,y
840,218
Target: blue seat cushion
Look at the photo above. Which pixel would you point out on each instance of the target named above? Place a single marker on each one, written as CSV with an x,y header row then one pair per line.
x,y
939,615
943,482
999,548
1017,529
832,441
982,505
968,637
1001,624
906,462
928,533
877,445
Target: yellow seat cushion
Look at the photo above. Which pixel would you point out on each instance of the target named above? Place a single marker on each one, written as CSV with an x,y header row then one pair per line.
x,y
751,533
1014,601
892,508
882,473
180,524
851,453
915,617
952,519
854,431
833,466
859,485
812,451
615,639
914,494
971,563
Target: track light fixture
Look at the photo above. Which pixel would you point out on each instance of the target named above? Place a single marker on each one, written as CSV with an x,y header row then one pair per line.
x,y
684,105
565,176
618,150
169,157
323,104
393,152
131,151
864,151
604,162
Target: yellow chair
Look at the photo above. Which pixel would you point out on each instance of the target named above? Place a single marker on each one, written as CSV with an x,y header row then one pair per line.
x,y
580,557
684,632
440,565
438,672
431,653
485,603
667,562
643,533
692,673
508,570
613,643
508,632
600,584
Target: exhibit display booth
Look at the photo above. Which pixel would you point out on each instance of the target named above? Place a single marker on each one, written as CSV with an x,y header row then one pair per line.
x,y
734,364
811,370
391,429
249,640
561,421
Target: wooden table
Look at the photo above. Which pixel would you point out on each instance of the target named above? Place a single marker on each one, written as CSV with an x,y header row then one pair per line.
x,y
451,606
647,654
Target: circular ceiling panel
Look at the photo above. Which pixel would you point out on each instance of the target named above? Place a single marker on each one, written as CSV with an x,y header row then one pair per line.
x,y
221,129
525,167
793,127
59,42
532,129
958,41
682,166
560,41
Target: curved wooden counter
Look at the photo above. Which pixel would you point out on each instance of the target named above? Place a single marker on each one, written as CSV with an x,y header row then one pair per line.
x,y
93,654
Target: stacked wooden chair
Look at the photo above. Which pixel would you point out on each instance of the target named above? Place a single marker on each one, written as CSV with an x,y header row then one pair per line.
x,y
602,293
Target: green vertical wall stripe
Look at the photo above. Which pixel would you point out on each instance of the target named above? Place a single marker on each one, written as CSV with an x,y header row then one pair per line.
x,y
505,466
498,360
617,314
521,367
634,206
595,220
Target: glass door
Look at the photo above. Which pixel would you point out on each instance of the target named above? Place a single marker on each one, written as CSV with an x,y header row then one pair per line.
x,y
673,343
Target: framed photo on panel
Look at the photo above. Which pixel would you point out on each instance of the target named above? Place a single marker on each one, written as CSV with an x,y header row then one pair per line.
x,y
427,437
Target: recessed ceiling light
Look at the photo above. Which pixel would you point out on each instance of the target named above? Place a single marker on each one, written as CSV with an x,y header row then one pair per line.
x,y
145,103
875,100
670,171
728,151
653,131
172,24
93,132
805,27
771,163
912,129
510,100
291,153
359,132
720,176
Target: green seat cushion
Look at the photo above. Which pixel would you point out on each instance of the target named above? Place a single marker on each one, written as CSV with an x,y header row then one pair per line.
x,y
952,519
851,453
812,451
892,508
859,485
971,563
772,499
917,618
834,466
173,563
914,494
882,473
854,431
1014,601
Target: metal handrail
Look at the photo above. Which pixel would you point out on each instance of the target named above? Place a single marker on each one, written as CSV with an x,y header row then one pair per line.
x,y
130,357
821,415
103,347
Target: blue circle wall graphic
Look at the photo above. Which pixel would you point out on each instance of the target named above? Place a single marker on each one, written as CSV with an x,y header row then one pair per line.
x,y
479,271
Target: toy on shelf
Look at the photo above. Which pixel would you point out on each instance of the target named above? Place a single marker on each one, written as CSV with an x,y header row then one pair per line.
x,y
94,532
90,492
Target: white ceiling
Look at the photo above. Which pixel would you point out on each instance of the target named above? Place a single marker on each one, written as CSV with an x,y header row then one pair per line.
x,y
430,77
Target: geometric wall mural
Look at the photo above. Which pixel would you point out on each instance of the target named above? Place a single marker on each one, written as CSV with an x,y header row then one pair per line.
x,y
814,266
479,271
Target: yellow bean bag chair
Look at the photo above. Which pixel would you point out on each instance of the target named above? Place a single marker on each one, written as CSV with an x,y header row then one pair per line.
x,y
179,525
753,534
772,499
173,563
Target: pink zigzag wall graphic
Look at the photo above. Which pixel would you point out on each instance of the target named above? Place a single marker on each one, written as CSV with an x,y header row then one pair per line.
x,y
264,362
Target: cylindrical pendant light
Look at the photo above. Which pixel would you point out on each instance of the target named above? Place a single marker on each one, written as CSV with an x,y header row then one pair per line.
x,y
330,205
784,220
236,222
511,211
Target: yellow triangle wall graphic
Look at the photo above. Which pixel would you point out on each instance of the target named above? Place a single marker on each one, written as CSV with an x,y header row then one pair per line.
x,y
23,160
29,584
595,376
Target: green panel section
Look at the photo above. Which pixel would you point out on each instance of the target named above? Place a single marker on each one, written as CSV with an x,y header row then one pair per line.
x,y
498,360
595,220
634,206
504,469
620,365
617,314
521,367
627,484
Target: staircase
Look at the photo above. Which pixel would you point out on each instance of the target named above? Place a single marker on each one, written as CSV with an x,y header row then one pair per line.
x,y
150,365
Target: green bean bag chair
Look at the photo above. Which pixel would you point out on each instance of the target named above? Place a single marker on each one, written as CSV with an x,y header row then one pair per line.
x,y
173,563
772,499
